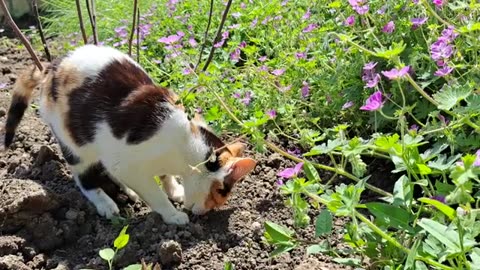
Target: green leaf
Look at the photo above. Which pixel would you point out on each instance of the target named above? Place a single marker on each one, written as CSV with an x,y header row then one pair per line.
x,y
470,27
107,254
475,256
277,233
409,263
445,235
447,210
133,267
359,168
121,241
319,248
282,249
402,192
347,261
392,51
419,265
311,172
390,215
451,95
324,223
229,266
424,169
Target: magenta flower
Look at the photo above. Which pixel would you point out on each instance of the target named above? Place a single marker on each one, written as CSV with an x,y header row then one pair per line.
x,y
301,55
121,31
248,97
192,42
291,172
278,72
394,73
310,28
235,55
438,3
305,89
263,68
370,77
369,66
237,95
443,71
170,39
361,9
347,105
279,182
262,58
295,152
449,34
374,102
350,21
187,71
272,114
440,49
417,22
307,14
389,27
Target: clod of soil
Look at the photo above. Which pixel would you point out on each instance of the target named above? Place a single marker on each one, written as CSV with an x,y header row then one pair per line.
x,y
170,252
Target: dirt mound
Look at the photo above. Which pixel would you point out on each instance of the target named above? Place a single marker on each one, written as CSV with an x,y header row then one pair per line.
x,y
48,224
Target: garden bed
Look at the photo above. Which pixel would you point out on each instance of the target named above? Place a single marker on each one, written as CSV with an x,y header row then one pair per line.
x,y
48,224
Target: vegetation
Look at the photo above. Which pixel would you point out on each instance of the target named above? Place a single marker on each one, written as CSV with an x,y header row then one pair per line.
x,y
345,81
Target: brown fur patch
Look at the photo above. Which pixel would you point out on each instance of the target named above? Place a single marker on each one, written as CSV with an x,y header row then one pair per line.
x,y
217,196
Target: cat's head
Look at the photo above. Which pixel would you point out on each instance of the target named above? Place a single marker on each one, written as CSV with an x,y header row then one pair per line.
x,y
213,183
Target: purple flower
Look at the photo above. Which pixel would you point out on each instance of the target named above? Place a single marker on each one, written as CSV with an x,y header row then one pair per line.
x,y
219,44
477,160
449,34
438,3
243,5
417,22
347,105
192,42
121,31
279,182
236,95
374,102
291,172
243,44
394,73
350,21
3,85
310,28
248,97
170,39
370,77
382,10
278,72
262,58
187,71
444,120
361,9
272,114
307,14
440,49
389,27
235,55
301,55
414,127
294,152
439,198
443,71
263,68
254,23
305,89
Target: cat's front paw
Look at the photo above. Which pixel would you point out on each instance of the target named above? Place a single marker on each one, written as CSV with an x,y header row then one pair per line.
x,y
178,218
107,209
178,193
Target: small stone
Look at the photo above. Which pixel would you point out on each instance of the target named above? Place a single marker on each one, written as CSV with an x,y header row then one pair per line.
x,y
256,226
170,252
71,214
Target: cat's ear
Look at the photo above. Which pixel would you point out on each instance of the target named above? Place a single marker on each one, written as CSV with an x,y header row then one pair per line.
x,y
237,149
240,168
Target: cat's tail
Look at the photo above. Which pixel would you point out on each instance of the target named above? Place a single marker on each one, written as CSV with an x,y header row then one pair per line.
x,y
21,97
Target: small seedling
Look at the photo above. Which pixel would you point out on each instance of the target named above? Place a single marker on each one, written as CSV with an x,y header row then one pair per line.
x,y
108,254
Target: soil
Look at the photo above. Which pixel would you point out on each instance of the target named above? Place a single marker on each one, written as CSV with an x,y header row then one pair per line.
x,y
46,223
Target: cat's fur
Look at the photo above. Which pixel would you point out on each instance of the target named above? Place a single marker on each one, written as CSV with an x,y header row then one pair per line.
x,y
109,117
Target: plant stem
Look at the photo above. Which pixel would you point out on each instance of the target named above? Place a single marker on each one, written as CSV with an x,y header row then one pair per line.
x,y
134,22
40,30
23,39
80,19
206,35
430,9
217,37
138,35
91,15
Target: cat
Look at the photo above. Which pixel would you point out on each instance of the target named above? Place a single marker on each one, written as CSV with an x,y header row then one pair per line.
x,y
109,117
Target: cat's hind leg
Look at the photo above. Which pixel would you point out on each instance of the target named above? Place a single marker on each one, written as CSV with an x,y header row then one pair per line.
x,y
88,179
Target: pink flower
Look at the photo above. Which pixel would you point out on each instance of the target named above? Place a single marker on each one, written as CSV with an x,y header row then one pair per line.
x,y
438,3
394,73
307,14
370,77
301,55
347,105
272,114
278,72
170,39
235,55
192,42
305,89
389,27
440,49
417,22
374,102
262,58
443,71
291,172
254,23
310,28
350,21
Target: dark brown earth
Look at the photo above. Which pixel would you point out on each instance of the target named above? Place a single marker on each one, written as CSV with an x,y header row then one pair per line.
x,y
46,223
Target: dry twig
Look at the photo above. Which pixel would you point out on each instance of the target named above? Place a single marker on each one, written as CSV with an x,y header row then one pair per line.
x,y
138,35
206,35
217,37
9,19
40,29
92,16
130,40
80,19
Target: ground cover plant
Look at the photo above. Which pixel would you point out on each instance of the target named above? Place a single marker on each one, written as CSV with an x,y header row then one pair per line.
x,y
352,86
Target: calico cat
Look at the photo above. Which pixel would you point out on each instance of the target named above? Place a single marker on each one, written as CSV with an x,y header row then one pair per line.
x,y
108,116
